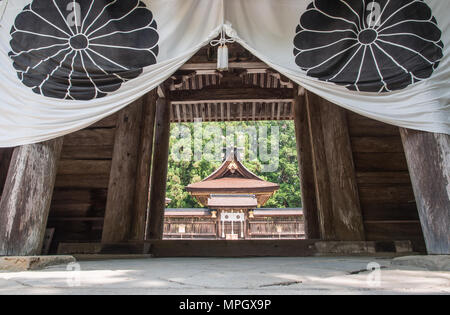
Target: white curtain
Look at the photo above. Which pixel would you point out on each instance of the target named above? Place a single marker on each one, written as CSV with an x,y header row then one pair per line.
x,y
27,115
407,34
65,64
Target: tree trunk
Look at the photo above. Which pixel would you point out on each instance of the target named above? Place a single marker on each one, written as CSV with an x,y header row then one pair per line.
x,y
428,157
27,196
155,221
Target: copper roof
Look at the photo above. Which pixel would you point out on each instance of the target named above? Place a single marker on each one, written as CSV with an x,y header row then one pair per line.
x,y
233,184
233,177
232,201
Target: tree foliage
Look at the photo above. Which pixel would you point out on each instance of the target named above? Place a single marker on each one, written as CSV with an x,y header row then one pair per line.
x,y
187,165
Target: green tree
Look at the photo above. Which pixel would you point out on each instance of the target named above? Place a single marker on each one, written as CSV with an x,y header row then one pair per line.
x,y
187,170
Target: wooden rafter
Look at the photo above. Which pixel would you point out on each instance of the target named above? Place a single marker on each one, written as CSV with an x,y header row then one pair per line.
x,y
232,95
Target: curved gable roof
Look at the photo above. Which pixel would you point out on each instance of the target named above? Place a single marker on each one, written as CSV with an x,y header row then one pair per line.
x,y
233,177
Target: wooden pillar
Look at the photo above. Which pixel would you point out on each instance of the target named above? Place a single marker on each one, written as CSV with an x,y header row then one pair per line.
x,y
428,157
320,169
5,159
26,198
347,215
141,198
306,168
155,221
122,178
334,158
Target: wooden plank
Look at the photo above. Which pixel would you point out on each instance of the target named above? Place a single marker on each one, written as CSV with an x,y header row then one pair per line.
x,y
347,216
377,178
386,194
77,210
77,195
155,221
377,144
213,65
389,211
360,126
223,248
72,167
104,136
87,152
377,161
82,181
108,122
428,156
243,248
122,180
378,231
26,198
231,95
5,159
320,167
142,190
305,165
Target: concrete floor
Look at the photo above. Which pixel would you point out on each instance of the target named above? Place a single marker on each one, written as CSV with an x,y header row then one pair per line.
x,y
193,276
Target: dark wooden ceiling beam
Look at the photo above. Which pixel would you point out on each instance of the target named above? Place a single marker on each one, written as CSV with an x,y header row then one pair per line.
x,y
232,65
231,95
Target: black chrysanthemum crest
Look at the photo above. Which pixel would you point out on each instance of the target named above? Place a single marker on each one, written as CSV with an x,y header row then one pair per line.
x,y
368,46
82,49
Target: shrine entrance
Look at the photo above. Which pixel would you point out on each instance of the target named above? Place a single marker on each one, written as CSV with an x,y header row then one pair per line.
x,y
232,225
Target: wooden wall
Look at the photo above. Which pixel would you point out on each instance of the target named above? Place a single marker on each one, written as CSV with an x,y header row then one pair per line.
x,y
79,198
385,190
387,199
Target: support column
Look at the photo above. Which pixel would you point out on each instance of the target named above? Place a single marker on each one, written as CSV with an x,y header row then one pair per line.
x,y
337,191
26,198
320,169
141,197
428,157
155,221
347,215
306,168
122,178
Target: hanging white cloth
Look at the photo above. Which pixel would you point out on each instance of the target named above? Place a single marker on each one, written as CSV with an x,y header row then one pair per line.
x,y
65,64
138,46
400,76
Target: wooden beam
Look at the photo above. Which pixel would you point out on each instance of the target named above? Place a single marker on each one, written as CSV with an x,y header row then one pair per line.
x,y
231,95
347,215
141,196
306,169
155,221
242,248
213,65
27,196
428,157
320,168
122,179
